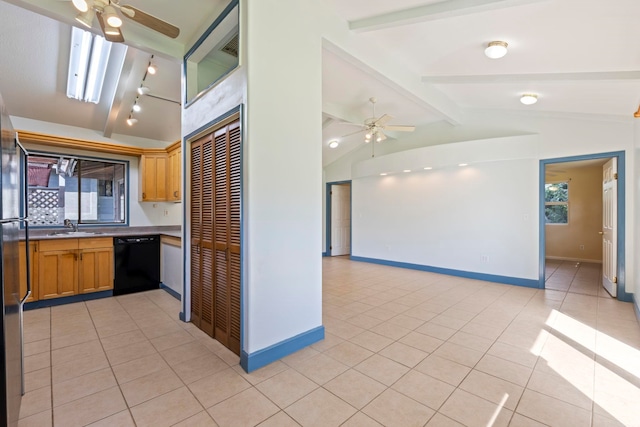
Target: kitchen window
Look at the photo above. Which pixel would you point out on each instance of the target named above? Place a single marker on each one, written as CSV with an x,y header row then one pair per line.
x,y
83,190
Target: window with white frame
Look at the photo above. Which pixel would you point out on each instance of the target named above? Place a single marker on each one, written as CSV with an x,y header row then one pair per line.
x,y
556,203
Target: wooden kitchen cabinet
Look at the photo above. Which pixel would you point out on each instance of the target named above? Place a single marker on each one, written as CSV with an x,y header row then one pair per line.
x,y
95,270
33,267
174,175
74,266
57,268
153,177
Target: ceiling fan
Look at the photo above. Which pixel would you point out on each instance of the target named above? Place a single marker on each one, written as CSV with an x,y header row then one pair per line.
x,y
374,127
110,21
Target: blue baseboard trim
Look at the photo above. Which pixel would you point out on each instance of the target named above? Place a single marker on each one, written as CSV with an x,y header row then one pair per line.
x,y
171,292
67,300
325,254
517,281
181,316
260,358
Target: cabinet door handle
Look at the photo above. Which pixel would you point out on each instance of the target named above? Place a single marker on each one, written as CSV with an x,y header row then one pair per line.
x,y
175,194
144,196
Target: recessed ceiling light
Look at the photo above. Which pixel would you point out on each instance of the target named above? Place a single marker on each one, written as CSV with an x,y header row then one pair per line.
x,y
463,164
529,98
333,144
406,170
496,50
383,174
428,168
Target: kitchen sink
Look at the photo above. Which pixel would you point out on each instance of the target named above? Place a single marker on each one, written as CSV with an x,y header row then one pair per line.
x,y
75,233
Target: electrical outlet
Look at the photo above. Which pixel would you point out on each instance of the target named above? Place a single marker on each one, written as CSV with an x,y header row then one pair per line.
x,y
484,258
166,212
582,247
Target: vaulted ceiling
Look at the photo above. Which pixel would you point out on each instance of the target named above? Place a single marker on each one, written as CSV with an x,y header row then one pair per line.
x,y
580,56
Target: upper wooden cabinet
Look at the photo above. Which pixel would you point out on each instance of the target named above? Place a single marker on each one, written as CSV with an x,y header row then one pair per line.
x,y
160,174
174,175
153,177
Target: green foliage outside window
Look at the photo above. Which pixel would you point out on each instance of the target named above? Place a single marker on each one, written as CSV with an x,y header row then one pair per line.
x,y
556,197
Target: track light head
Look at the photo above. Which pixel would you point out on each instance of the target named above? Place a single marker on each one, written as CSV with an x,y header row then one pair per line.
x,y
152,69
143,90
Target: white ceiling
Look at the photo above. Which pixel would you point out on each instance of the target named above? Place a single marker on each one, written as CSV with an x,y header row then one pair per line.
x,y
580,56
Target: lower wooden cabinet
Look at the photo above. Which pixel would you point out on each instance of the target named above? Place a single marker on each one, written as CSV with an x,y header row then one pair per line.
x,y
95,267
22,257
74,266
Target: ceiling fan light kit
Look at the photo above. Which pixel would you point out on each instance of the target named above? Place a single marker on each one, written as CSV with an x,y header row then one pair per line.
x,y
111,17
110,20
496,49
81,5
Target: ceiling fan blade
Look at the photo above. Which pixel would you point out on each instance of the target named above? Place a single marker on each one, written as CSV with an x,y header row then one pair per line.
x,y
113,35
400,128
351,124
382,120
381,136
150,21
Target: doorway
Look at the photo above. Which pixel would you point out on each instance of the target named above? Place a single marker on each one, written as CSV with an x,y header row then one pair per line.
x,y
338,219
582,223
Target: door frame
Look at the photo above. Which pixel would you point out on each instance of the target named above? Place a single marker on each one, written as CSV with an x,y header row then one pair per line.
x,y
620,232
327,250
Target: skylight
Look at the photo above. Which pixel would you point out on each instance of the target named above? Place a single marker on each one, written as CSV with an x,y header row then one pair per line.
x,y
88,59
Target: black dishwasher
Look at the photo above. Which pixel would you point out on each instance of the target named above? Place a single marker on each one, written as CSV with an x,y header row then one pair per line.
x,y
137,264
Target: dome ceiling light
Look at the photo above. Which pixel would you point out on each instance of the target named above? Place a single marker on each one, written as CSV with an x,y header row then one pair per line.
x,y
496,49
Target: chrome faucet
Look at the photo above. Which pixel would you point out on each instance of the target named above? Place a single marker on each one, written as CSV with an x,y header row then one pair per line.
x,y
71,225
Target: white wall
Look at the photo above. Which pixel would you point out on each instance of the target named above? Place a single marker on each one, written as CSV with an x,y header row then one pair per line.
x,y
283,170
479,218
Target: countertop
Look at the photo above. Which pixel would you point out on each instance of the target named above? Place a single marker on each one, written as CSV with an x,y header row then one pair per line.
x,y
44,233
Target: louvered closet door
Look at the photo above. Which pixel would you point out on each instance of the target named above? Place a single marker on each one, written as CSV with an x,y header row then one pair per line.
x,y
227,236
202,234
235,170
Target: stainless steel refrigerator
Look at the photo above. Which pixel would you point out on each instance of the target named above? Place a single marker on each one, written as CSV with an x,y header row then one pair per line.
x,y
12,217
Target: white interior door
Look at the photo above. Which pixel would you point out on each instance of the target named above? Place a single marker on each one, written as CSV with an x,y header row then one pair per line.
x,y
340,219
609,226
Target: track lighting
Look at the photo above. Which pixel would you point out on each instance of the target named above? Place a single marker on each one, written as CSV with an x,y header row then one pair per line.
x,y
136,107
151,69
143,90
132,121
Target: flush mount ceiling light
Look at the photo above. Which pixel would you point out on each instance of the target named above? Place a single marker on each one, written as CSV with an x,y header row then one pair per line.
x,y
463,164
333,144
529,98
406,170
496,49
383,174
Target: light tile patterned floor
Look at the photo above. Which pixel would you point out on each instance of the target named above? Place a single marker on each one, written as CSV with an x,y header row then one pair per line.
x,y
402,348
